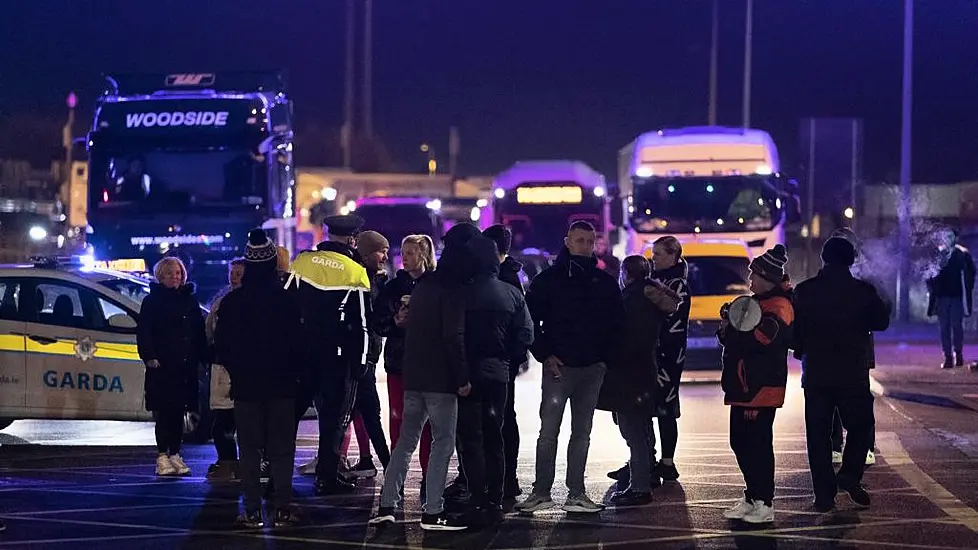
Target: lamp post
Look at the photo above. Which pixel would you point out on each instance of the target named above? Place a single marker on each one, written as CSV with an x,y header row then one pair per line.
x,y
714,55
748,51
347,132
903,206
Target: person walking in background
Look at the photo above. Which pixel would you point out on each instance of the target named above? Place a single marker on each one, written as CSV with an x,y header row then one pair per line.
x,y
257,338
577,315
497,329
835,315
509,272
172,342
373,248
221,404
629,390
434,374
951,296
390,320
754,378
333,290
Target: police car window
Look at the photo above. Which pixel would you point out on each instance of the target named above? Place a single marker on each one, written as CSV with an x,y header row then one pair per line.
x,y
59,305
9,301
106,310
109,309
132,290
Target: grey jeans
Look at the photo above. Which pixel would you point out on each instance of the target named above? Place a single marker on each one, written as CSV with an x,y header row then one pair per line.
x,y
581,386
441,411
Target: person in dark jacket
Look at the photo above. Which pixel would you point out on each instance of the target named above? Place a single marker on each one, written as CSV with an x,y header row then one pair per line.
x,y
835,314
389,321
333,290
373,248
172,342
436,373
754,378
577,315
497,328
951,297
258,339
629,390
509,272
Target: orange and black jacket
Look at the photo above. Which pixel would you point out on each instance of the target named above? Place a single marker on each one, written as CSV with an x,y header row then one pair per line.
x,y
755,363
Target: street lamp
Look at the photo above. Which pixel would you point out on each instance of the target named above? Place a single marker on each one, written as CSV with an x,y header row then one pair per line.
x,y
903,207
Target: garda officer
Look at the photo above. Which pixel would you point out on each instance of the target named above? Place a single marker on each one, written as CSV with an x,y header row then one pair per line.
x,y
333,288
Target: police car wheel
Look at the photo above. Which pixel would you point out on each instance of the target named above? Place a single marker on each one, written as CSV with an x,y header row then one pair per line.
x,y
6,422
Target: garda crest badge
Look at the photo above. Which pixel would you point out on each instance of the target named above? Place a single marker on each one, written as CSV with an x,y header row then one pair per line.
x,y
85,349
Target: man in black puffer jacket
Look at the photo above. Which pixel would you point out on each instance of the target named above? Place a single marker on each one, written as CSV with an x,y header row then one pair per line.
x,y
577,315
497,328
257,338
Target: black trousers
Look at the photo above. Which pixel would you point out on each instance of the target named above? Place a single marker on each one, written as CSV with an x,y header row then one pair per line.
x,y
368,405
265,428
334,405
511,439
837,434
223,432
169,430
480,440
752,441
855,406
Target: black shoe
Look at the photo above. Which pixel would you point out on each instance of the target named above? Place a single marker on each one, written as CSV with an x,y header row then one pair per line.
x,y
948,362
286,518
856,492
667,473
629,497
251,520
958,360
364,468
621,475
383,516
335,486
824,507
441,522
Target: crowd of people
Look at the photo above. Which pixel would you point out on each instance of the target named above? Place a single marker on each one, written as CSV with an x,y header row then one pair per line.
x,y
455,332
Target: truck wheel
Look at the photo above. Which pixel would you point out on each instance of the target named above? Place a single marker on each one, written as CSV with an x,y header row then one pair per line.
x,y
6,422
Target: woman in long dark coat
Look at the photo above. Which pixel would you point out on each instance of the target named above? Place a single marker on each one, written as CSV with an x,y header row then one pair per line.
x,y
173,344
670,269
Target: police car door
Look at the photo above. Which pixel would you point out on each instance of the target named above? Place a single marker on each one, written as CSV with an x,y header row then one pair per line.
x,y
12,357
79,367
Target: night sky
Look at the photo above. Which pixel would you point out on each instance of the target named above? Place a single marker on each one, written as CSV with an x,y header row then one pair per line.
x,y
536,79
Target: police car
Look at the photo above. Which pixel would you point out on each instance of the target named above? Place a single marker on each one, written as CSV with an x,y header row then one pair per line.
x,y
68,341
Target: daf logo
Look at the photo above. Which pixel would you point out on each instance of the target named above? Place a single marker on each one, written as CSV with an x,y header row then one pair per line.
x,y
190,79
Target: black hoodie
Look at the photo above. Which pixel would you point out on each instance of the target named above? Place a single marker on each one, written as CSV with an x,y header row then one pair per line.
x,y
577,312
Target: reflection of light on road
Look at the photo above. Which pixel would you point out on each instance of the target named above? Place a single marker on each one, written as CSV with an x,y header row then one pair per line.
x,y
79,432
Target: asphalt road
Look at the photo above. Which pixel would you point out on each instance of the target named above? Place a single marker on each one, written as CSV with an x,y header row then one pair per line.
x,y
71,484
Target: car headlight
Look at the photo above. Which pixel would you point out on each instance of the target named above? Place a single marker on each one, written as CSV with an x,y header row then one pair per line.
x,y
38,233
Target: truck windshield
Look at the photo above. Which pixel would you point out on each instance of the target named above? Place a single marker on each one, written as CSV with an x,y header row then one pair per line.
x,y
165,179
706,204
717,275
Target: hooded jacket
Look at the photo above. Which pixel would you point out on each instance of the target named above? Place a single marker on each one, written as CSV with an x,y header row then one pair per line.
x,y
497,323
834,316
509,272
632,386
577,312
171,331
333,290
755,363
258,338
385,307
955,280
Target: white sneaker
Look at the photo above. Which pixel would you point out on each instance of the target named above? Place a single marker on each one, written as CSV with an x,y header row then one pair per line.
x,y
739,510
836,457
762,513
581,504
163,466
870,458
179,466
309,468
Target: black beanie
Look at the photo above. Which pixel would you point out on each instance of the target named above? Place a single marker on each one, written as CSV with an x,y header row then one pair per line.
x,y
838,251
259,249
770,265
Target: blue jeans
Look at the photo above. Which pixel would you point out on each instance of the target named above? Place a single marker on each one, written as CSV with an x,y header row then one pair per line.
x,y
581,387
441,411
